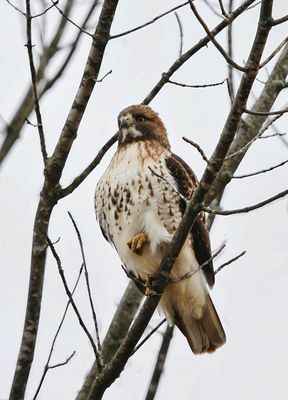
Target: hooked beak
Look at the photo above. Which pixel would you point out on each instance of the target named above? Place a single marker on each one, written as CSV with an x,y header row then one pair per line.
x,y
124,123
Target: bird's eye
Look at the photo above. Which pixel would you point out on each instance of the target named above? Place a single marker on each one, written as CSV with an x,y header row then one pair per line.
x,y
140,119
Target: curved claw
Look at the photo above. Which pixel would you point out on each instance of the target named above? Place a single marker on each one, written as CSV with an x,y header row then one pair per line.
x,y
138,243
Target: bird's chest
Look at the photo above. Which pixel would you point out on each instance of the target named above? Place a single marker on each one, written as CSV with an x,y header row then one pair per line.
x,y
129,188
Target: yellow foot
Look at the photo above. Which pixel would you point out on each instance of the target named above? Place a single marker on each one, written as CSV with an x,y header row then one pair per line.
x,y
137,243
148,289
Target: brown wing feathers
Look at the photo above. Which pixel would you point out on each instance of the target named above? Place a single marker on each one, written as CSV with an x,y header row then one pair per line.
x,y
186,183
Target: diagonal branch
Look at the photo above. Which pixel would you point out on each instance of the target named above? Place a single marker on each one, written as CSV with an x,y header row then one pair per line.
x,y
26,107
87,283
248,208
203,42
71,300
46,367
263,171
250,127
112,371
214,41
149,22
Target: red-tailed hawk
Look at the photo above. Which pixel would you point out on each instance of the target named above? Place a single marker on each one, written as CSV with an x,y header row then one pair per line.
x,y
139,202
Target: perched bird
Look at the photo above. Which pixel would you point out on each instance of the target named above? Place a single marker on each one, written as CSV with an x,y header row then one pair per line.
x,y
139,201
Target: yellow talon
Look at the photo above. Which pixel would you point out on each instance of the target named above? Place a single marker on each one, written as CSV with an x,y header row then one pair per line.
x,y
148,289
137,243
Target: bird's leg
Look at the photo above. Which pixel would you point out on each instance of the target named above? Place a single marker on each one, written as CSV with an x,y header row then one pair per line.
x,y
137,243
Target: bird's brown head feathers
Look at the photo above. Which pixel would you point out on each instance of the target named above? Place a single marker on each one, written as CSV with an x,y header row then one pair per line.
x,y
140,122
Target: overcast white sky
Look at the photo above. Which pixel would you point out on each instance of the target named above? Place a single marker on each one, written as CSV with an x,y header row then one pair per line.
x,y
251,295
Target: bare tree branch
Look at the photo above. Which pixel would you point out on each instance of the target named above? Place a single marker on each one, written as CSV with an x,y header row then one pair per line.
x,y
88,285
45,11
223,9
196,145
195,86
279,20
249,129
117,331
79,179
230,81
13,129
140,344
273,54
71,300
266,114
49,196
213,40
248,208
263,171
154,383
46,367
16,8
230,262
180,33
112,371
82,30
34,82
203,42
149,22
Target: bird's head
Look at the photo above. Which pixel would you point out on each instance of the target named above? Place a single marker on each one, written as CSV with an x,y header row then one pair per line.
x,y
140,122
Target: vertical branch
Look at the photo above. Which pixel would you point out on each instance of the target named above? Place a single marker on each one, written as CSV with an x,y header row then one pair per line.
x,y
230,82
46,367
159,366
250,127
34,82
87,283
49,197
117,331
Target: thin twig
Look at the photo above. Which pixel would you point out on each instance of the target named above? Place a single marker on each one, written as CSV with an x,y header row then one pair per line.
x,y
230,81
263,171
200,150
193,50
46,367
104,76
49,83
223,9
248,208
69,294
45,11
273,135
16,8
279,20
159,366
34,82
213,40
273,54
87,283
205,85
189,274
79,179
149,22
140,344
70,20
61,364
261,114
229,262
180,33
259,134
209,5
